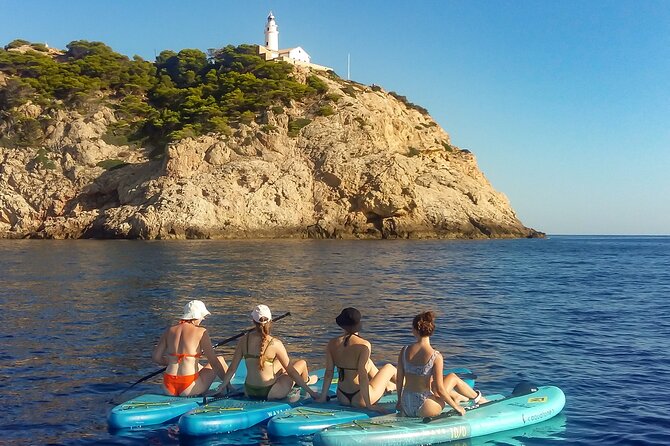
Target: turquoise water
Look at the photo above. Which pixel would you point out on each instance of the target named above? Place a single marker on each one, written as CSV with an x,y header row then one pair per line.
x,y
587,314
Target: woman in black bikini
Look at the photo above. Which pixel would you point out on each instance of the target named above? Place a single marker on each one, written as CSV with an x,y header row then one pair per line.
x,y
270,373
360,383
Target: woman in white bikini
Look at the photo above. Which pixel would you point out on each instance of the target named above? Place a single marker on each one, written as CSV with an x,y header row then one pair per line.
x,y
422,390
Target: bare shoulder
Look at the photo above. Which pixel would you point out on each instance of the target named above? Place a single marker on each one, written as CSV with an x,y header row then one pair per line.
x,y
200,333
362,347
365,342
277,342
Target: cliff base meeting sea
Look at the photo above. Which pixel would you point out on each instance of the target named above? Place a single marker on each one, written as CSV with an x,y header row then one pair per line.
x,y
588,314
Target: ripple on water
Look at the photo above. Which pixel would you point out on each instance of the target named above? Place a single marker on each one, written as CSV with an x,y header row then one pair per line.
x,y
587,314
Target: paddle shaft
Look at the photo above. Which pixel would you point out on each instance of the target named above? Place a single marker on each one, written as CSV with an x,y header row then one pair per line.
x,y
452,412
248,330
218,344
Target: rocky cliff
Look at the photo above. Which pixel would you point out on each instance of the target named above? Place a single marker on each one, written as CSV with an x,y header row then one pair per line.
x,y
367,166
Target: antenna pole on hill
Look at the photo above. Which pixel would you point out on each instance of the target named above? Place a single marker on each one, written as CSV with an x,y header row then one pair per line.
x,y
348,65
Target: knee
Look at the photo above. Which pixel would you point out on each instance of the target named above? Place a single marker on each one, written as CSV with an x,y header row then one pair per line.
x,y
450,380
299,364
389,367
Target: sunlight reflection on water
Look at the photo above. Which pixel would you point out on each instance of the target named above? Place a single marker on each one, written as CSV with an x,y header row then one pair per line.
x,y
80,317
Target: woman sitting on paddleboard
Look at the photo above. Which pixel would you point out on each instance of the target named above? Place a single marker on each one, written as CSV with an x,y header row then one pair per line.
x,y
360,383
422,390
178,350
270,372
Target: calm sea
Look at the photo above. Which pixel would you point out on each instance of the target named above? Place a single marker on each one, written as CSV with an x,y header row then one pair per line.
x,y
588,314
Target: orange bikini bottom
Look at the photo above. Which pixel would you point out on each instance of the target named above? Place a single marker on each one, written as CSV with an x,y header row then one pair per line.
x,y
176,384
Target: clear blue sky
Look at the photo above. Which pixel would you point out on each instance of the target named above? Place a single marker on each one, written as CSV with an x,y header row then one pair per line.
x,y
566,104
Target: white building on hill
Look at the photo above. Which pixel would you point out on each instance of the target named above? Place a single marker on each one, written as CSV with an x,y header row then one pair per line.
x,y
271,51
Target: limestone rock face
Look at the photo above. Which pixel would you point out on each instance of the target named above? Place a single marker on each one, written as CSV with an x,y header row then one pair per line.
x,y
376,168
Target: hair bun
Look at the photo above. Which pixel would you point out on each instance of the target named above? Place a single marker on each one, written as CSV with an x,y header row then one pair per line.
x,y
424,323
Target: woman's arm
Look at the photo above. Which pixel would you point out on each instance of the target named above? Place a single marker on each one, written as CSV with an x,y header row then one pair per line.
x,y
284,360
208,350
232,368
363,379
327,376
400,378
158,355
438,382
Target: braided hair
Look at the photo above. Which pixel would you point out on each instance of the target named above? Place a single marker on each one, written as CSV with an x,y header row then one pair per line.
x,y
264,330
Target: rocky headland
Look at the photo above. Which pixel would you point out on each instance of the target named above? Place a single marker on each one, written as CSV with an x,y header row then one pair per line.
x,y
353,161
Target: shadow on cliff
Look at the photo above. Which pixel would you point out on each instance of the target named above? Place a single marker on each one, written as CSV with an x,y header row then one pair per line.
x,y
126,185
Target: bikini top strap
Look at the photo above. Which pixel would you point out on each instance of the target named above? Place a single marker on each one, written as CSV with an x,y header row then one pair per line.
x,y
348,336
250,355
180,356
421,370
404,358
246,353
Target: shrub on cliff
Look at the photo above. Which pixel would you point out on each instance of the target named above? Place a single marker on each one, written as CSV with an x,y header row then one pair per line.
x,y
317,84
16,43
295,125
326,110
181,94
409,104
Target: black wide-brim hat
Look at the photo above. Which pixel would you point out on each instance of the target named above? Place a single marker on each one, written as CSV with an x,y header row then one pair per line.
x,y
349,317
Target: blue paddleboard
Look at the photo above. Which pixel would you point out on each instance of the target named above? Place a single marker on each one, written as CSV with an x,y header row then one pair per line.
x,y
497,416
313,417
232,414
151,409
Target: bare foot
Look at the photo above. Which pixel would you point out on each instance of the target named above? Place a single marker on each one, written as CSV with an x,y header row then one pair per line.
x,y
479,399
459,398
294,395
313,379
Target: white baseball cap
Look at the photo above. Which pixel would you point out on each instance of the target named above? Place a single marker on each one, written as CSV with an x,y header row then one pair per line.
x,y
195,309
261,314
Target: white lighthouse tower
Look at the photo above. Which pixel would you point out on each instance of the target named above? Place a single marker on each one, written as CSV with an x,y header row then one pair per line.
x,y
271,51
271,34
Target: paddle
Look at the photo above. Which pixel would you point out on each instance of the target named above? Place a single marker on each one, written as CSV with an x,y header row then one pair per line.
x,y
218,344
523,388
452,412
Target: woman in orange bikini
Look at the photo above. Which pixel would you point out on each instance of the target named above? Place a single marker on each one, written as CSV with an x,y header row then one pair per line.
x,y
360,382
178,350
270,372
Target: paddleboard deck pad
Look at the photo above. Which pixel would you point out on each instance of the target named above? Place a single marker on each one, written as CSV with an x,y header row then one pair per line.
x,y
496,416
313,417
232,414
153,409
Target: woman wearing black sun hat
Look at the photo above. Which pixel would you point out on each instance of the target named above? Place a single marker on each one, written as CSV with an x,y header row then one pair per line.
x,y
361,383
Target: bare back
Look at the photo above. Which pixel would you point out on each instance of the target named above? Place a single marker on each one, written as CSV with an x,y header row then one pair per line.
x,y
418,356
182,347
346,358
251,345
